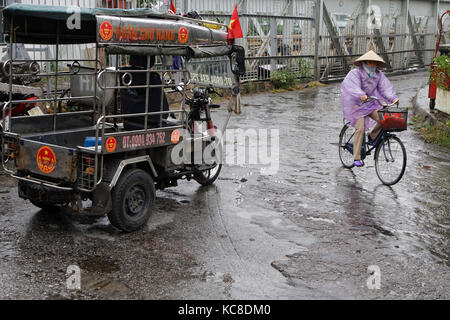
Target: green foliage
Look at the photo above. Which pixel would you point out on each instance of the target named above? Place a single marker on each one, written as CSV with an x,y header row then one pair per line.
x,y
286,78
250,87
315,84
437,134
305,68
440,73
145,3
279,29
283,79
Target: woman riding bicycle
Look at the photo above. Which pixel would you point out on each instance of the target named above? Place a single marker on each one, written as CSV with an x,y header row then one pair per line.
x,y
360,83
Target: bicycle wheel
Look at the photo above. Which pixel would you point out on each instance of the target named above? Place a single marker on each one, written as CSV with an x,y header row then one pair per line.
x,y
390,160
346,138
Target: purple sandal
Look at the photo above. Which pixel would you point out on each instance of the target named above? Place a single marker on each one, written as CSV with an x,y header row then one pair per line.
x,y
358,163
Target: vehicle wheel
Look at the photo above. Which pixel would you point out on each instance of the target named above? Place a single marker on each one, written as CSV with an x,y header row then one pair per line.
x,y
346,139
208,177
132,198
1,143
390,160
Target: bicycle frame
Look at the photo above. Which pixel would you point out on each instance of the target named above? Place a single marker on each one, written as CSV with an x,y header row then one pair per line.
x,y
368,148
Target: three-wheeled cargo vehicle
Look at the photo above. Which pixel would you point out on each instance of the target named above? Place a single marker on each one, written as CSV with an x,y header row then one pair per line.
x,y
110,139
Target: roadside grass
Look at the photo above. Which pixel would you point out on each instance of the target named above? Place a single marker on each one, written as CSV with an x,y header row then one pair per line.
x,y
287,80
438,134
315,84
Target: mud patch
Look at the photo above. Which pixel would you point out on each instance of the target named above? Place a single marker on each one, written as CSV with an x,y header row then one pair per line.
x,y
104,286
99,264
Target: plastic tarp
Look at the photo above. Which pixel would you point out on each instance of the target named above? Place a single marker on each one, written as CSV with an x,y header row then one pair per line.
x,y
356,84
40,24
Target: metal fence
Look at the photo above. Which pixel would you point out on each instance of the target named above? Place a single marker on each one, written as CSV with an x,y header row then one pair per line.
x,y
278,35
283,36
403,40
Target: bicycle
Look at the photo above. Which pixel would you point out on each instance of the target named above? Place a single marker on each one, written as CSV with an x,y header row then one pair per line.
x,y
390,153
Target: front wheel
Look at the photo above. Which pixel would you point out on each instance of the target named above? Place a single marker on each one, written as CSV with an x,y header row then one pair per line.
x,y
208,177
132,198
390,160
346,140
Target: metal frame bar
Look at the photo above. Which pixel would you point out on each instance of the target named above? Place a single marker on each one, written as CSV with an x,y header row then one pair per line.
x,y
416,44
253,15
332,32
41,183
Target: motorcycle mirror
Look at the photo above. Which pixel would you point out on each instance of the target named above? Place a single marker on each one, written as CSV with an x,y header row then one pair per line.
x,y
166,78
180,87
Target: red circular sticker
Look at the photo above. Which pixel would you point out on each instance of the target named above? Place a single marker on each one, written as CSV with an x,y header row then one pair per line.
x,y
183,35
46,159
106,30
175,137
111,144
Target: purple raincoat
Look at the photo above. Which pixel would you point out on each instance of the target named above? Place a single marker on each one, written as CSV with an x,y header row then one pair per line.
x,y
356,84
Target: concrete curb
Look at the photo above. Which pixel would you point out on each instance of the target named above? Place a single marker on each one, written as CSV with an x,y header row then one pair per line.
x,y
421,106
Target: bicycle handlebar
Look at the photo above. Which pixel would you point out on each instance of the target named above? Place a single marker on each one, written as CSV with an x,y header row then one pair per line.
x,y
384,105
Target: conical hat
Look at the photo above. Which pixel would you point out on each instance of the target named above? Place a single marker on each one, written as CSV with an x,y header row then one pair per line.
x,y
370,56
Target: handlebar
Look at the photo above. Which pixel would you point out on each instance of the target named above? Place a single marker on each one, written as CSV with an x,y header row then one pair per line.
x,y
196,91
202,93
384,105
211,90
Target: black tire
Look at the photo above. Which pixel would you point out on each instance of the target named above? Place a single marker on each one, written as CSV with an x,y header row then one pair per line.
x,y
391,155
344,153
208,177
132,200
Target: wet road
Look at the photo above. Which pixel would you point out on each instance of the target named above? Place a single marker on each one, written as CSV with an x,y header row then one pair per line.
x,y
311,231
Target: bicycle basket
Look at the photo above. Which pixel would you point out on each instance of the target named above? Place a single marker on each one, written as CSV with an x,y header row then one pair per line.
x,y
394,119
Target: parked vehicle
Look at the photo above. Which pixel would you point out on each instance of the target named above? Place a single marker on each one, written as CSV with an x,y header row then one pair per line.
x,y
111,163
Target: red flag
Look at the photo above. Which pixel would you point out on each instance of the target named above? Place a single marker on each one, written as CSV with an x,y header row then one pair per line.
x,y
172,8
234,29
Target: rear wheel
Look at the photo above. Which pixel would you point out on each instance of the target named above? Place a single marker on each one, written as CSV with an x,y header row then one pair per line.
x,y
390,160
346,140
132,198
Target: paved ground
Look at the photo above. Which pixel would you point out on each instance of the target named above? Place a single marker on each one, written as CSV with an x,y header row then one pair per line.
x,y
311,231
